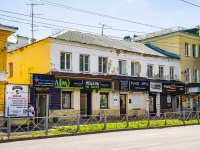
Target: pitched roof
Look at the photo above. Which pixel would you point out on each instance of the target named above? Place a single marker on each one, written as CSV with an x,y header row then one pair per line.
x,y
92,39
164,52
8,28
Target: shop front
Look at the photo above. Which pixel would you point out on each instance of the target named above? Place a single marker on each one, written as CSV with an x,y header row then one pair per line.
x,y
83,97
43,96
192,98
155,89
171,96
139,92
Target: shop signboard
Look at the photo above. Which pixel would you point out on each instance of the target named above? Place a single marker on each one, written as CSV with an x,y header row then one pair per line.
x,y
107,85
16,100
124,85
173,88
155,87
139,85
43,80
68,83
91,84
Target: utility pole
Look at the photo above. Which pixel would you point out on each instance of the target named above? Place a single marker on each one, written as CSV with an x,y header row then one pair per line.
x,y
104,25
32,16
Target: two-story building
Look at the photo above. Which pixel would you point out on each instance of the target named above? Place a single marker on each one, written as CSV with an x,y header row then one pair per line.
x,y
5,32
184,42
76,73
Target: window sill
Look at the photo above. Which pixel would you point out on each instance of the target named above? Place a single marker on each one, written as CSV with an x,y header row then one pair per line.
x,y
104,108
63,70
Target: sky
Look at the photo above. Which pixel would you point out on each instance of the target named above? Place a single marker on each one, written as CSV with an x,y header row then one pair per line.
x,y
119,17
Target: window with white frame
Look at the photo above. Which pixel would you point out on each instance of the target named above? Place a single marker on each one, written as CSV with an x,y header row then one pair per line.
x,y
122,67
188,75
150,71
161,72
187,49
102,65
171,72
65,61
84,63
196,76
195,51
134,69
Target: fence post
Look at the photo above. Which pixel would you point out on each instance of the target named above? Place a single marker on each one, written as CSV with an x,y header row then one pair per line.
x,y
198,116
8,127
78,122
148,119
46,125
165,115
127,122
104,121
183,117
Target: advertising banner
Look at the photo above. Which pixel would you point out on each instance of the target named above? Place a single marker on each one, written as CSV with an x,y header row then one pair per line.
x,y
139,85
68,83
155,87
124,85
16,100
43,80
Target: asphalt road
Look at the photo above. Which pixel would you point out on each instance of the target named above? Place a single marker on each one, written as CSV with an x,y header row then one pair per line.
x,y
174,138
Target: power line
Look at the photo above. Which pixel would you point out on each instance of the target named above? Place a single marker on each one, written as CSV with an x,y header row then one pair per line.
x,y
54,28
190,3
94,13
123,30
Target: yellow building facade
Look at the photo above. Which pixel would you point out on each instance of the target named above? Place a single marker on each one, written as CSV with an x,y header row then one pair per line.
x,y
5,32
30,59
186,43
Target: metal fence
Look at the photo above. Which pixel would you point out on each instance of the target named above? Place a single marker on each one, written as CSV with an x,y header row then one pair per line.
x,y
43,126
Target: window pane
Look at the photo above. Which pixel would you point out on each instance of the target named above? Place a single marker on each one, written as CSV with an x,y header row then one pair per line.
x,y
62,61
66,100
120,67
135,69
100,64
104,65
132,69
123,67
103,100
67,61
86,63
81,63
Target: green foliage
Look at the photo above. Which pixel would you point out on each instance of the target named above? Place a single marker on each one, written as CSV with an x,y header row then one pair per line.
x,y
58,130
34,133
91,127
64,130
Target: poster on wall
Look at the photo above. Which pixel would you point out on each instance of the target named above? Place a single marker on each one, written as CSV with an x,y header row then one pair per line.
x,y
147,102
158,104
16,101
116,100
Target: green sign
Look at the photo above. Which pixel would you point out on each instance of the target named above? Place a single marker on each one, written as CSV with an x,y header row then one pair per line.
x,y
67,83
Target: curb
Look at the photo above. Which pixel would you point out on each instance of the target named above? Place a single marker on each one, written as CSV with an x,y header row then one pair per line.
x,y
88,133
